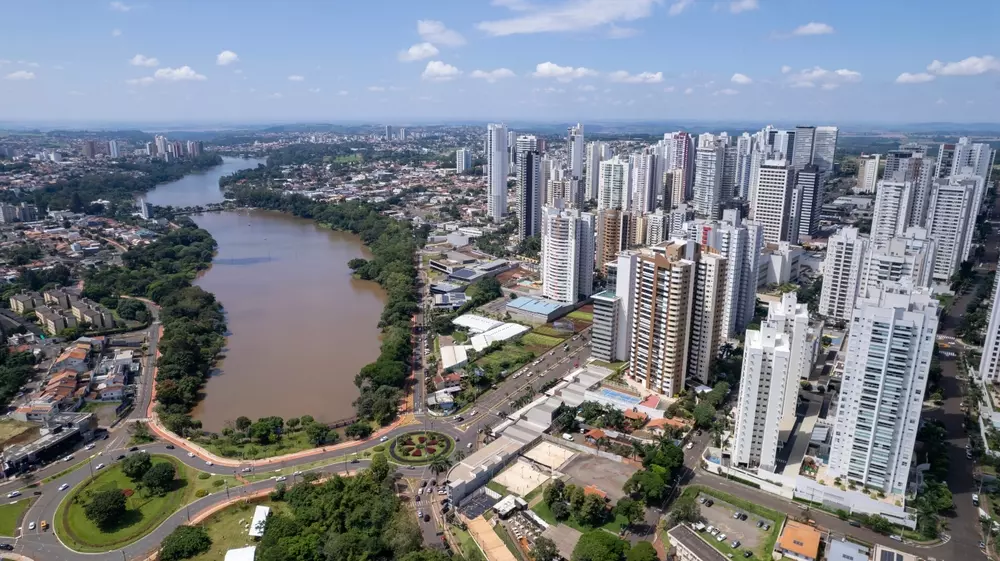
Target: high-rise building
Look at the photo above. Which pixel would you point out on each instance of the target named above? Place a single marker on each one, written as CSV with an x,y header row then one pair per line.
x,y
661,323
708,172
89,149
161,145
775,359
706,315
867,172
658,227
113,148
910,256
893,200
567,254
524,143
402,133
614,234
195,148
841,271
615,184
802,150
771,202
511,152
889,351
681,151
673,188
989,364
824,148
463,160
592,169
807,201
607,324
576,149
529,193
643,195
388,132
744,147
965,158
730,186
612,333
951,221
496,171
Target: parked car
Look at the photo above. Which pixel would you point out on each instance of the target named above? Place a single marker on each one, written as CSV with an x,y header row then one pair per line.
x,y
975,499
701,500
190,454
280,479
427,518
720,537
90,446
735,544
133,449
736,515
896,537
709,503
120,457
6,547
689,446
760,523
854,523
68,458
747,554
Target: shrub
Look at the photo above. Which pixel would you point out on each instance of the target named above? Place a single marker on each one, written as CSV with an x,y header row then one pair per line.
x,y
380,448
204,475
218,483
201,493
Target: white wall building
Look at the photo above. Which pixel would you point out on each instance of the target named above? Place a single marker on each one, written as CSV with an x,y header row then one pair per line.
x,y
643,195
463,160
497,164
567,254
951,221
708,171
892,209
615,184
868,173
989,365
592,168
771,202
889,352
910,256
841,270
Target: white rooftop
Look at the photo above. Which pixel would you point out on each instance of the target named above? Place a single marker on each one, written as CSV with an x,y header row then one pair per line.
x,y
241,554
454,355
476,324
501,332
259,519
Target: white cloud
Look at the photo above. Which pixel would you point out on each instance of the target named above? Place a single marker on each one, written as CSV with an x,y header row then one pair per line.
x,y
275,95
817,76
376,89
439,71
587,88
918,78
436,32
669,89
343,92
314,90
617,32
813,28
419,51
624,77
689,91
738,6
116,32
144,81
142,60
492,76
941,101
571,15
296,78
741,79
726,91
830,86
786,69
972,66
561,73
182,74
226,58
120,7
515,5
76,92
678,7
21,75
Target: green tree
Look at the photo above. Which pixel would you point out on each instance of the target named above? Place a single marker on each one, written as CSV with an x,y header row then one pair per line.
x,y
631,510
379,468
243,423
878,524
403,534
136,466
685,509
427,555
106,508
160,478
560,510
359,430
292,423
318,434
184,543
554,492
647,486
704,415
544,550
598,545
642,551
439,465
593,511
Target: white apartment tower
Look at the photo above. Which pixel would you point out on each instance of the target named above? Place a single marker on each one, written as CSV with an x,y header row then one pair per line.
x,y
868,172
615,184
775,359
744,147
113,148
706,315
708,176
989,365
592,168
497,164
893,200
771,203
643,197
889,351
841,270
951,221
807,202
910,256
463,160
567,254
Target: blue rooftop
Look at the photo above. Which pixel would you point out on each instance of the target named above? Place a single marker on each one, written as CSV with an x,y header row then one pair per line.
x,y
609,294
464,273
534,305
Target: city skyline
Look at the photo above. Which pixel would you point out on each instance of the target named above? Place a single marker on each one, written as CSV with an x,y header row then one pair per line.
x,y
504,60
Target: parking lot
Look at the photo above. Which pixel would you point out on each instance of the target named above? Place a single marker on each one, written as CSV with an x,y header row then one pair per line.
x,y
564,537
607,475
720,515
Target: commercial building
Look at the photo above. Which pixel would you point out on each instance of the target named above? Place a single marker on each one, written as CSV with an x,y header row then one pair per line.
x,y
951,221
463,160
807,201
691,547
802,148
868,172
567,254
889,351
529,193
771,199
824,149
841,270
496,171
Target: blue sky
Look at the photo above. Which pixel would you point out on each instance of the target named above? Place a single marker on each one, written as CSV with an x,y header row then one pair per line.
x,y
837,61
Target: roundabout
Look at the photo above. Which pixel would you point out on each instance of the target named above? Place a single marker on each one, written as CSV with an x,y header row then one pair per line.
x,y
419,448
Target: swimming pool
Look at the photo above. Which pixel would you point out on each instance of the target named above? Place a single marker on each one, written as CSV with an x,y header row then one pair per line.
x,y
623,398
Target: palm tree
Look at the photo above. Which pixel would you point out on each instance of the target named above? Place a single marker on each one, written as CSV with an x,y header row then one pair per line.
x,y
637,449
440,465
459,455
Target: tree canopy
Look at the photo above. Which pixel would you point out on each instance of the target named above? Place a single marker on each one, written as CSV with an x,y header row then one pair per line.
x,y
598,545
184,542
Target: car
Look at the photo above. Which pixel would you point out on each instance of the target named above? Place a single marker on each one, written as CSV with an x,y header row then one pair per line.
x,y
896,537
36,493
423,483
459,419
701,500
735,544
190,454
709,503
736,515
474,413
975,499
64,486
133,449
383,439
854,523
689,446
68,458
120,457
355,460
427,518
747,554
13,494
6,547
744,516
417,499
281,478
99,466
767,527
720,538
469,446
296,473
982,545
713,530
420,514
247,469
209,463
169,446
43,525
90,446
31,525
445,509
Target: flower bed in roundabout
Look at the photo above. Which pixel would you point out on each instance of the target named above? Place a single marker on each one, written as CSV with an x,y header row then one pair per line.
x,y
420,447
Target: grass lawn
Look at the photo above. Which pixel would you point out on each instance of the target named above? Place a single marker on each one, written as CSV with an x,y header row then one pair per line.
x,y
615,366
10,515
581,315
92,406
543,511
144,513
509,357
10,428
470,550
550,331
290,443
494,486
539,340
226,530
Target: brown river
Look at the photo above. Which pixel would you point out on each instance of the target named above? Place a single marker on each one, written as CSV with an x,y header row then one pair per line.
x,y
300,326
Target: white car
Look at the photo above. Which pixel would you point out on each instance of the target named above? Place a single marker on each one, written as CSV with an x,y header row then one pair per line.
x,y
383,439
68,458
64,486
280,479
297,473
689,446
190,454
90,446
208,462
31,525
13,494
99,466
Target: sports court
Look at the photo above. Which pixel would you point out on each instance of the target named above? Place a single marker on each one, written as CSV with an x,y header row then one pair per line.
x,y
489,541
549,454
521,478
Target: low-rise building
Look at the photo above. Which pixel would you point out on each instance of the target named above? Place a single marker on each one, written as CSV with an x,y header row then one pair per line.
x,y
54,320
25,302
798,541
690,547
